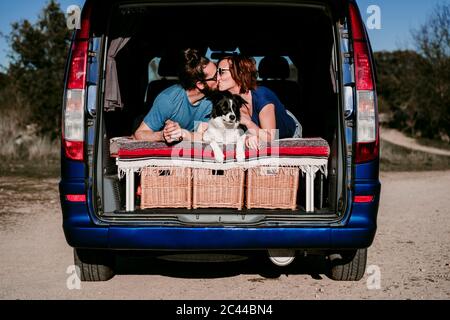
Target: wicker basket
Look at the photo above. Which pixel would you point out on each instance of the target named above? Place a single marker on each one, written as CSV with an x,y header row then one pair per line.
x,y
272,188
218,188
166,187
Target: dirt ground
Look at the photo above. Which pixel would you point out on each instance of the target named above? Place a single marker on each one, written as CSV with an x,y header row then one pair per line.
x,y
410,256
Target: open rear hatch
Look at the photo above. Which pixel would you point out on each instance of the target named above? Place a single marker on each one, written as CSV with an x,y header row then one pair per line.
x,y
141,41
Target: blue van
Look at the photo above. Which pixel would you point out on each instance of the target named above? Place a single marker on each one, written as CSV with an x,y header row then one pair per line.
x,y
315,55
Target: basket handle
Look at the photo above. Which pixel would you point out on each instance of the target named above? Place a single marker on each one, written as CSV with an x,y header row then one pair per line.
x,y
218,172
164,173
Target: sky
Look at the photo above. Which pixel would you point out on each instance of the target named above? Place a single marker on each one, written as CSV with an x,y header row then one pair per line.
x,y
18,10
396,19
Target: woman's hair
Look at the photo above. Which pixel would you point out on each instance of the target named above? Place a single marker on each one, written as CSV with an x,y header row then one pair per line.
x,y
243,71
192,68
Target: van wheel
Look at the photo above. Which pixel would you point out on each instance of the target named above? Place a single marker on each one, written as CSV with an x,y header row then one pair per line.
x,y
94,265
348,266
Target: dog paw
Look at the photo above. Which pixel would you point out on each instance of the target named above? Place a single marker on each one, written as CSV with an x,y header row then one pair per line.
x,y
240,156
219,157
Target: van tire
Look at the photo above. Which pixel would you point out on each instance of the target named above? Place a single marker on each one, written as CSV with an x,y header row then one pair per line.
x,y
94,265
348,265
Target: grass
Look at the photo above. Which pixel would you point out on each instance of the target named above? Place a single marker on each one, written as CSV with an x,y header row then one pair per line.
x,y
22,151
396,158
31,169
434,143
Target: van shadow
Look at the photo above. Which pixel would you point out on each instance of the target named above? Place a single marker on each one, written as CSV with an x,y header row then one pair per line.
x,y
251,264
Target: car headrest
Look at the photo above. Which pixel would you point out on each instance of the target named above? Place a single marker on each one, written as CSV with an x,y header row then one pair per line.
x,y
168,65
274,67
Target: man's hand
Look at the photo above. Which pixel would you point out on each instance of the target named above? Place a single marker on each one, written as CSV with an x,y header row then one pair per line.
x,y
172,132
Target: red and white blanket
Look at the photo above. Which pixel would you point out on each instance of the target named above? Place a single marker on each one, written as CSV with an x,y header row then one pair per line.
x,y
301,153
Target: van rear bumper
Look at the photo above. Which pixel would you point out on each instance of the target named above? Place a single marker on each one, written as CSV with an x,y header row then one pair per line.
x,y
173,238
357,232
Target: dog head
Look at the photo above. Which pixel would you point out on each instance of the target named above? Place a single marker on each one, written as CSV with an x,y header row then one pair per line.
x,y
227,106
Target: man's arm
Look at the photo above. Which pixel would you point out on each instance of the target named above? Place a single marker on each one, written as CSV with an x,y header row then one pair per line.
x,y
145,133
191,136
196,136
172,132
156,119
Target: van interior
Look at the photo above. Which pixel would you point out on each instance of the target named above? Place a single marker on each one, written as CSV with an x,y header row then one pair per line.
x,y
297,52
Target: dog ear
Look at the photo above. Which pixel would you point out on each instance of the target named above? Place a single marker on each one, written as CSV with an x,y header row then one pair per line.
x,y
215,97
214,113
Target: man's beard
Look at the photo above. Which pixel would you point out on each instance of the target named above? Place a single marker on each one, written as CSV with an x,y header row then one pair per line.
x,y
207,90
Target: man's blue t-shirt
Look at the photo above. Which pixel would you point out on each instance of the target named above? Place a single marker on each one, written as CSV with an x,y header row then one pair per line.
x,y
173,104
263,96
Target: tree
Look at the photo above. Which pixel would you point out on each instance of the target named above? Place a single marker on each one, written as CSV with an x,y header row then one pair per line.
x,y
396,84
432,41
4,83
36,73
414,86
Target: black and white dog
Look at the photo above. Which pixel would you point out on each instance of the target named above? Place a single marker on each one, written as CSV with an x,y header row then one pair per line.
x,y
223,128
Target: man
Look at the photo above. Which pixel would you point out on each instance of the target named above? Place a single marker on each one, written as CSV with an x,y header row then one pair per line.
x,y
178,110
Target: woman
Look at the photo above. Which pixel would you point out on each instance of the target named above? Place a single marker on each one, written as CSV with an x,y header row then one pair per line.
x,y
264,114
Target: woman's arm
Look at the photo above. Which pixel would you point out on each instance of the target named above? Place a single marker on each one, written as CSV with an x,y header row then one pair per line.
x,y
196,136
268,123
267,131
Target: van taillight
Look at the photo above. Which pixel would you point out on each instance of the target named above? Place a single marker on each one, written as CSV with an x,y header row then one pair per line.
x,y
363,70
73,116
78,63
367,140
73,129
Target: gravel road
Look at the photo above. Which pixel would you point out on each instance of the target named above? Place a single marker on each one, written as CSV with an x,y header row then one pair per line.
x,y
411,254
400,139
